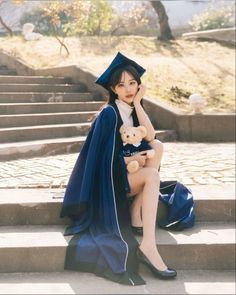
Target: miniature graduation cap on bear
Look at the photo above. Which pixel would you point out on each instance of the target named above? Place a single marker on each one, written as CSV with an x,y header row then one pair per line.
x,y
119,61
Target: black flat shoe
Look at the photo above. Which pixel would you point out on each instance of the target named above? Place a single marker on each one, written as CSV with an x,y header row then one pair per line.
x,y
167,274
137,230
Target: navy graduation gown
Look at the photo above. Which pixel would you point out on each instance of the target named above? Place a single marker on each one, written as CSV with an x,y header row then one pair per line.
x,y
95,200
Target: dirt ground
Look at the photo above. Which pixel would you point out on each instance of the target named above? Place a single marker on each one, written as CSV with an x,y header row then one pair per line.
x,y
173,70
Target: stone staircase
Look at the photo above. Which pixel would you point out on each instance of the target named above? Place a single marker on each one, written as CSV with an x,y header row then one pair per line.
x,y
42,116
32,248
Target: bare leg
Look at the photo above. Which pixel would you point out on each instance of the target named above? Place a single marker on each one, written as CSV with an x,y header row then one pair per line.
x,y
155,162
149,213
135,209
146,181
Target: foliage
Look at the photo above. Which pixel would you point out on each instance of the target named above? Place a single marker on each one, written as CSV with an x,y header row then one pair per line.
x,y
72,17
136,16
93,17
41,22
214,18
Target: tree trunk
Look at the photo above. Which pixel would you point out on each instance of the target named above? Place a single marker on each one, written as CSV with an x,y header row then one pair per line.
x,y
9,30
165,31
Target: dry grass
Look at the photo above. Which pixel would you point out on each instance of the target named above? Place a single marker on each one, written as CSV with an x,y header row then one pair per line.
x,y
174,70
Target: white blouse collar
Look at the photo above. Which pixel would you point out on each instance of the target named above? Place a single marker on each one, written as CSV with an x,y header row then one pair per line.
x,y
126,108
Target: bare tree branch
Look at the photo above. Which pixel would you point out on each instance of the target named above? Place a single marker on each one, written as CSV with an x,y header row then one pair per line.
x,y
60,41
8,29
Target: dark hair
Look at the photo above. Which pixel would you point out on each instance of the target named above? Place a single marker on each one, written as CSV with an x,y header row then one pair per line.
x,y
116,77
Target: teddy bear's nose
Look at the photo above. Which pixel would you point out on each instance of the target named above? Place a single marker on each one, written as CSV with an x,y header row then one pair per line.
x,y
127,136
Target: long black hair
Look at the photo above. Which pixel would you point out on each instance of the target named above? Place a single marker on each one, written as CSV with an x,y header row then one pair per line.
x,y
116,78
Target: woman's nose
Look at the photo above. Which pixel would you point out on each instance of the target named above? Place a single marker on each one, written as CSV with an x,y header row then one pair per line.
x,y
127,88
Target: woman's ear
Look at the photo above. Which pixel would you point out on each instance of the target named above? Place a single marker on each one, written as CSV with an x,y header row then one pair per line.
x,y
113,89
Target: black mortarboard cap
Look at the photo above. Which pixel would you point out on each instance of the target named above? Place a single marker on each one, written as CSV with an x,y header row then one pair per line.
x,y
119,61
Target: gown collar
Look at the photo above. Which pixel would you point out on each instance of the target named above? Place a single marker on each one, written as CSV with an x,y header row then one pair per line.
x,y
126,108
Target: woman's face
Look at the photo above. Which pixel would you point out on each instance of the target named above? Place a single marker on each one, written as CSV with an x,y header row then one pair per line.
x,y
127,88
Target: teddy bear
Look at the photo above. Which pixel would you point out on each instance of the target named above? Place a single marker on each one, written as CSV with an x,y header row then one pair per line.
x,y
134,143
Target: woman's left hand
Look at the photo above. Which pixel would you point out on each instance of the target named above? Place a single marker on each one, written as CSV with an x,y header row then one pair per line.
x,y
140,93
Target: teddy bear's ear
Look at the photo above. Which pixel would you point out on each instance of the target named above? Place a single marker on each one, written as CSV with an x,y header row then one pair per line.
x,y
143,130
122,128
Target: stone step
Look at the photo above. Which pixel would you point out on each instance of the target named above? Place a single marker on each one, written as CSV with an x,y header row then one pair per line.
x,y
43,132
56,146
59,107
43,248
39,148
33,80
25,97
42,206
200,282
45,119
42,88
7,72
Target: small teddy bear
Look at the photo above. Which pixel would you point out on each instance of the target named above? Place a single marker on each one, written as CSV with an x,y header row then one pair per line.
x,y
134,143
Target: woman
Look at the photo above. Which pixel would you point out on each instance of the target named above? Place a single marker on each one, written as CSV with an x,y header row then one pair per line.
x,y
96,198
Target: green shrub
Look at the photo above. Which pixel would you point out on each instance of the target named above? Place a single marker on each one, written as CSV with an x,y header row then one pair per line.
x,y
92,17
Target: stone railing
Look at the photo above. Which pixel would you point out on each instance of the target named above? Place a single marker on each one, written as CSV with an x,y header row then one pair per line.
x,y
226,35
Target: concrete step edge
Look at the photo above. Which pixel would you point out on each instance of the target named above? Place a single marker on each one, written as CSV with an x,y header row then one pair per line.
x,y
34,97
44,126
39,148
28,207
40,93
15,135
200,282
34,77
39,84
43,248
46,114
55,195
25,144
210,233
54,146
38,104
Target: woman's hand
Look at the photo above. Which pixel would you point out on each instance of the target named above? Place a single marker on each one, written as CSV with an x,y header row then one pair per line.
x,y
140,93
140,157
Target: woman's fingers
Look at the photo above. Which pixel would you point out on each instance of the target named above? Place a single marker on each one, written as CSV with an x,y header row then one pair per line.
x,y
143,153
142,160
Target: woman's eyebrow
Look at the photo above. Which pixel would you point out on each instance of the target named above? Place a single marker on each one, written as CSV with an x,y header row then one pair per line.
x,y
129,81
